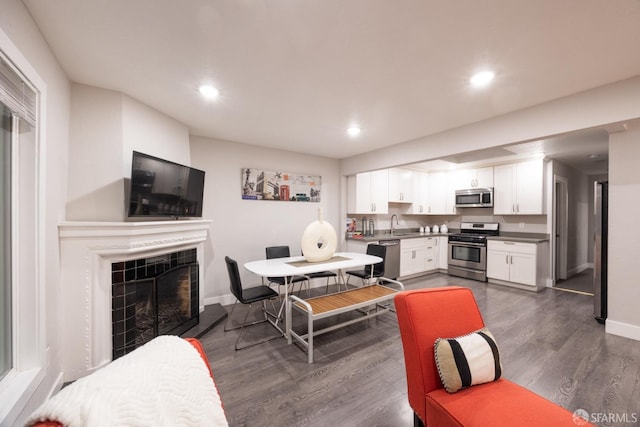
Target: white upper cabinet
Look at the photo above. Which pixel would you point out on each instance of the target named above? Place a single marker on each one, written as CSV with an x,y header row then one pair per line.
x,y
441,195
474,178
518,188
420,204
400,185
368,193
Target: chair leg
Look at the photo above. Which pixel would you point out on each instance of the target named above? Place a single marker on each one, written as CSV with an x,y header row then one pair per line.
x,y
417,422
244,323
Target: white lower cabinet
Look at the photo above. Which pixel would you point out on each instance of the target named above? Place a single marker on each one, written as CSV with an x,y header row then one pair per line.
x,y
514,262
431,254
412,256
419,255
443,252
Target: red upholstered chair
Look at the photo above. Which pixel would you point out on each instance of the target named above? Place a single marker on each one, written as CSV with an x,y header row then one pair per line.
x,y
427,314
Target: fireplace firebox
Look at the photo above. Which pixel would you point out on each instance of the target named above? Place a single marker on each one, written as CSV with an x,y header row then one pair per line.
x,y
153,296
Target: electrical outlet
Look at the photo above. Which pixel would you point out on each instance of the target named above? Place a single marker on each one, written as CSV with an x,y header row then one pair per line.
x,y
521,225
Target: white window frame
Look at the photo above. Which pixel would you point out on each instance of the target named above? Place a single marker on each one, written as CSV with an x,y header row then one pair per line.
x,y
28,256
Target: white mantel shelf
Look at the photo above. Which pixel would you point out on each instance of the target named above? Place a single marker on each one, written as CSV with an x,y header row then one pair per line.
x,y
87,250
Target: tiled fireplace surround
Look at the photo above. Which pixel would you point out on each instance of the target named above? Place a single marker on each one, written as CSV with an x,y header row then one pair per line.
x,y
88,251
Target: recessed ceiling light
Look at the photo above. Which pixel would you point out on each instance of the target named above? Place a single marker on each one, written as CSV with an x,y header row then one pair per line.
x,y
209,91
482,78
354,130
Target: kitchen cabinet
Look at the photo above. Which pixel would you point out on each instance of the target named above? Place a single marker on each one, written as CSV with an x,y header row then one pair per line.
x,y
474,178
443,252
400,185
431,254
368,193
514,262
441,196
420,203
413,253
419,255
518,188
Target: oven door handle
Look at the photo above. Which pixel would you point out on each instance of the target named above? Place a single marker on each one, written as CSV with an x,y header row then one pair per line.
x,y
468,244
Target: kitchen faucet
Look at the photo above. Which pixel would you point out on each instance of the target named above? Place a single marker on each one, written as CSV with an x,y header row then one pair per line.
x,y
398,223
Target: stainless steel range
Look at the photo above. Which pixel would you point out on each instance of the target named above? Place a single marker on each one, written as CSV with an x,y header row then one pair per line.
x,y
468,250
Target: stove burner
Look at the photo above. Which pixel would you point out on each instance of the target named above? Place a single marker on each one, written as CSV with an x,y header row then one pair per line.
x,y
475,232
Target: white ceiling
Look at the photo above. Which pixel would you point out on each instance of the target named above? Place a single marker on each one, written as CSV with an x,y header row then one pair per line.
x,y
294,74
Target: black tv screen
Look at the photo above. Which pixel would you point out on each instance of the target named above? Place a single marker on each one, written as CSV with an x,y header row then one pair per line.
x,y
162,188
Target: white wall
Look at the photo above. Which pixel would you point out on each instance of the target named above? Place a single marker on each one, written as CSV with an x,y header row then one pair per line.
x,y
20,37
624,234
106,126
242,229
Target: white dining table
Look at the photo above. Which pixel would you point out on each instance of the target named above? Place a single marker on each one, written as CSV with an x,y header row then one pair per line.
x,y
298,266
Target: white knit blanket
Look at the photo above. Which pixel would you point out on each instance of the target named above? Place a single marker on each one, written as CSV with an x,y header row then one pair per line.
x,y
163,383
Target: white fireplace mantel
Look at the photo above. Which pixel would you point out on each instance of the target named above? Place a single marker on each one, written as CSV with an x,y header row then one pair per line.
x,y
87,250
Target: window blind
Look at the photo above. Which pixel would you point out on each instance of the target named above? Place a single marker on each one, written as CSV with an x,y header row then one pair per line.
x,y
16,93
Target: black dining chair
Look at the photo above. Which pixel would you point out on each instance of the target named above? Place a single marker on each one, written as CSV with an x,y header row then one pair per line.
x,y
249,296
372,270
283,252
324,274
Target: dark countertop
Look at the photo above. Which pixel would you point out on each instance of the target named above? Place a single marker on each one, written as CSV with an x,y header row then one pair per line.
x,y
521,237
409,234
400,234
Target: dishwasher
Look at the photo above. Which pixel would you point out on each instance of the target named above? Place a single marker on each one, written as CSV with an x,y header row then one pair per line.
x,y
392,258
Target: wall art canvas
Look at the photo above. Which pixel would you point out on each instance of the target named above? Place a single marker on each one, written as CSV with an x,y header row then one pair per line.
x,y
259,184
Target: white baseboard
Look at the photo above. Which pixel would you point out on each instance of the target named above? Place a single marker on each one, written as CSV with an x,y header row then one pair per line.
x,y
579,269
622,329
222,300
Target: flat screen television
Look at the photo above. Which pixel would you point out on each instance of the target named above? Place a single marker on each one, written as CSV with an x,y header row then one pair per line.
x,y
160,188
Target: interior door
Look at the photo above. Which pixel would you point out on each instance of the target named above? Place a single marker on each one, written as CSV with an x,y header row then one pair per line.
x,y
561,219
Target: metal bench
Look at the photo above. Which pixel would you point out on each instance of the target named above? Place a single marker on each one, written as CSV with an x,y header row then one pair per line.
x,y
342,302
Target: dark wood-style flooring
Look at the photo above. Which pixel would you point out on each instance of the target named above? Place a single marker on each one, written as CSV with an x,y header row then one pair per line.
x,y
549,343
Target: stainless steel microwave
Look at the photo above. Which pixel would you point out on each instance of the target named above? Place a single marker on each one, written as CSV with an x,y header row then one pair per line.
x,y
474,198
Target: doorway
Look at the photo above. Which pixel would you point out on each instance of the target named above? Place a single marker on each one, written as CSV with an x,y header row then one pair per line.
x,y
560,227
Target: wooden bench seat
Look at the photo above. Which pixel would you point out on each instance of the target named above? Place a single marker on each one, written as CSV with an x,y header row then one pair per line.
x,y
342,302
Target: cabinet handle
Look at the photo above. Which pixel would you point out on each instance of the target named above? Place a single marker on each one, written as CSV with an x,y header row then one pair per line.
x,y
511,260
507,259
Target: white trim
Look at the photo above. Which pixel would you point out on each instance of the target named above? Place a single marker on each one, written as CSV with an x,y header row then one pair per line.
x,y
622,329
87,250
579,269
29,336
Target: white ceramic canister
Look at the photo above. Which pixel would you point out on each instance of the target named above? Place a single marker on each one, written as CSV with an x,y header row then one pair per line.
x,y
444,228
435,229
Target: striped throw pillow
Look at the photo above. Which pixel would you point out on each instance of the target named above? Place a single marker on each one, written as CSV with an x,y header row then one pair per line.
x,y
467,360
